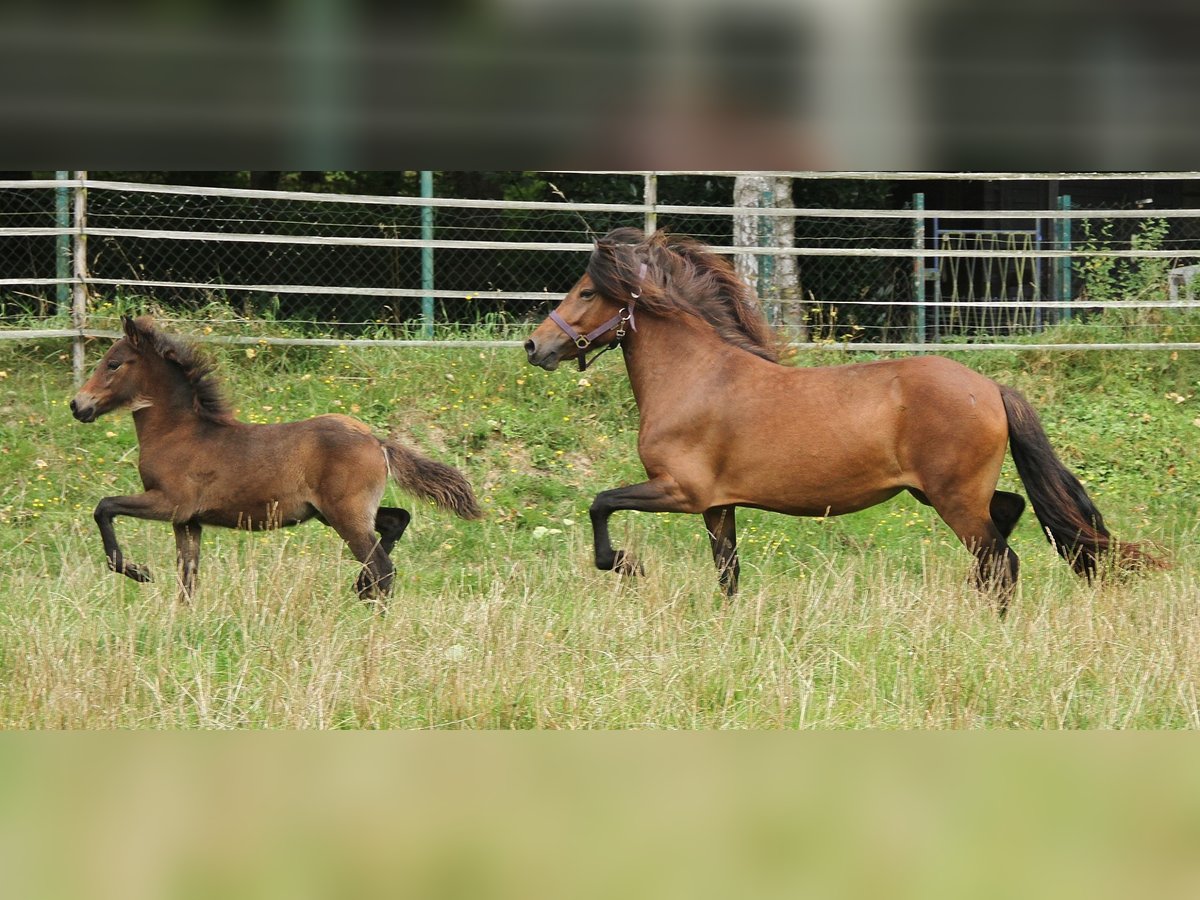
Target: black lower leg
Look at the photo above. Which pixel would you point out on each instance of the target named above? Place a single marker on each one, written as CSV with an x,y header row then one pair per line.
x,y
1005,509
660,495
390,522
722,534
996,571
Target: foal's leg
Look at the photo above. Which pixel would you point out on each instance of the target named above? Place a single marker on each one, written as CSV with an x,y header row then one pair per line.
x,y
187,557
151,505
378,571
722,532
390,522
658,495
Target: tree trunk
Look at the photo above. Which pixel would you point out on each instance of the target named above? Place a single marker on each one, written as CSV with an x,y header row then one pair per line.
x,y
749,190
775,279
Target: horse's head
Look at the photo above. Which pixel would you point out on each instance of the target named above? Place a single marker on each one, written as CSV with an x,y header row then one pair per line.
x,y
119,378
584,319
599,309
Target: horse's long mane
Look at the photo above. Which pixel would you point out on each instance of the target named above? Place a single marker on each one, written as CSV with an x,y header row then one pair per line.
x,y
195,368
683,275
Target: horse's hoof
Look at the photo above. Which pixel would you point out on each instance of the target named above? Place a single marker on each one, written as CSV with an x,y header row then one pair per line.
x,y
627,564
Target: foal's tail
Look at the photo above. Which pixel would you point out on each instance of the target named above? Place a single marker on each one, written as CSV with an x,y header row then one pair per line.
x,y
431,480
1070,520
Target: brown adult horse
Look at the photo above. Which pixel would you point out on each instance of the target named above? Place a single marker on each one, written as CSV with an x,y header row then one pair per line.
x,y
724,425
201,466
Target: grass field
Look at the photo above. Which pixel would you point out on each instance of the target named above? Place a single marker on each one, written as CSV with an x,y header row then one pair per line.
x,y
862,621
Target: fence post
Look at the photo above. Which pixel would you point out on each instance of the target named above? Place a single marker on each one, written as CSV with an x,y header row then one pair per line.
x,y
1064,263
918,205
62,248
427,256
79,300
650,198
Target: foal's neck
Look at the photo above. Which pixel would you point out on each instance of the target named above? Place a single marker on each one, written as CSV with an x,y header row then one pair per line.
x,y
168,403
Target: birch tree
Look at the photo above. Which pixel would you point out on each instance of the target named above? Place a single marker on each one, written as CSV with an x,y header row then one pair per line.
x,y
775,279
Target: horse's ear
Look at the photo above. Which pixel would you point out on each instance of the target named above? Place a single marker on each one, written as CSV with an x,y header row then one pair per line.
x,y
132,334
138,330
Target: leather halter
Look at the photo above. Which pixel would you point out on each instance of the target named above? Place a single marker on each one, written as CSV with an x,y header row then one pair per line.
x,y
584,341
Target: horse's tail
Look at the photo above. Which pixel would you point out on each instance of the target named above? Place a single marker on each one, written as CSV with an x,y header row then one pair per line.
x,y
1070,520
431,480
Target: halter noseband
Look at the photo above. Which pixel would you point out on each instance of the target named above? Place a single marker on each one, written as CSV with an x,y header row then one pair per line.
x,y
584,341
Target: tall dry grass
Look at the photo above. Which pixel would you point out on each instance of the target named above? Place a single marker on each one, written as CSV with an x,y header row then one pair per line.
x,y
276,638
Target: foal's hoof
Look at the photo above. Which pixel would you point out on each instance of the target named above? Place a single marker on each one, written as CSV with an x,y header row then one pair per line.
x,y
625,563
140,574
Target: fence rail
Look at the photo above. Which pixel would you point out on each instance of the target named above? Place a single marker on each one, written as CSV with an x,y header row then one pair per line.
x,y
355,265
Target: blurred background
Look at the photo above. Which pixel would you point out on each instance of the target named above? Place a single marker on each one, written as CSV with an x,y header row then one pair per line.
x,y
684,84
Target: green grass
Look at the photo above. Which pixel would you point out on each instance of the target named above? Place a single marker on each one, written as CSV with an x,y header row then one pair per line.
x,y
861,621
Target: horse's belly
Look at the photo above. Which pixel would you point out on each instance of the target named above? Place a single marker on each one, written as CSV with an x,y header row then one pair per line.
x,y
256,516
829,505
814,485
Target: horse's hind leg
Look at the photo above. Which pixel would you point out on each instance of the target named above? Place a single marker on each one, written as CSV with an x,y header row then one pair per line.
x,y
187,557
390,522
722,533
1006,507
996,565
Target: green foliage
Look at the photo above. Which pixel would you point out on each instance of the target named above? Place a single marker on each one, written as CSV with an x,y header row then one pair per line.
x,y
1120,278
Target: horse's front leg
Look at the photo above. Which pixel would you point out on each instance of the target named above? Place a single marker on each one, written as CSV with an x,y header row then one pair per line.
x,y
722,532
658,495
187,557
150,505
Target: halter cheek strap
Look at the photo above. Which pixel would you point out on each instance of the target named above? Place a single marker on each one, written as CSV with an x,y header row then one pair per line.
x,y
584,341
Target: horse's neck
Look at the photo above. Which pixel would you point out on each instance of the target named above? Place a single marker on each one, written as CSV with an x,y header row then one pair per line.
x,y
669,357
162,410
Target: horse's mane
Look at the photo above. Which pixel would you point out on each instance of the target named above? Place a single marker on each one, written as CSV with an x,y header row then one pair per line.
x,y
194,367
683,275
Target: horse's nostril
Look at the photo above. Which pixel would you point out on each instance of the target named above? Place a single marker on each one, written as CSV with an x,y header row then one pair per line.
x,y
530,346
73,407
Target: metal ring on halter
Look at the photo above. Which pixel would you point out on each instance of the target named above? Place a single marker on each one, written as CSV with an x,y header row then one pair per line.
x,y
582,342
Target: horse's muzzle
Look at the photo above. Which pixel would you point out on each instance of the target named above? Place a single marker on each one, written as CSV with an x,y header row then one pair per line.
x,y
544,357
82,412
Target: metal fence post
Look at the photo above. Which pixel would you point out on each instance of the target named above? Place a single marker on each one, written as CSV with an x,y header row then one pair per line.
x,y
650,198
79,286
918,203
427,256
1064,263
62,248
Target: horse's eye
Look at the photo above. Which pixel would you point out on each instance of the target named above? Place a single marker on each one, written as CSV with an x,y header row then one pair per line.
x,y
113,365
587,294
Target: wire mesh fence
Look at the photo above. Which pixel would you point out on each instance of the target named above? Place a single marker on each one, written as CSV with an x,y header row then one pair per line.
x,y
877,263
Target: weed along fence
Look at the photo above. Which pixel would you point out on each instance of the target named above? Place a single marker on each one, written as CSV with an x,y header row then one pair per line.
x,y
889,261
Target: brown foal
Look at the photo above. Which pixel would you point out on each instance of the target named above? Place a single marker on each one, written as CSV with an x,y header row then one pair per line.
x,y
724,425
201,466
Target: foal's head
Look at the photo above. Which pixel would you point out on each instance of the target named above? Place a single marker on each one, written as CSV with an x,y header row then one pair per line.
x,y
147,367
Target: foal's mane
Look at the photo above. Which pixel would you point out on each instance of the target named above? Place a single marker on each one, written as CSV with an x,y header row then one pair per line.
x,y
683,275
194,367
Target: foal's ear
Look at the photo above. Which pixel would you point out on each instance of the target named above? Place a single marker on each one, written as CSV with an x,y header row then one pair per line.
x,y
131,330
137,330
